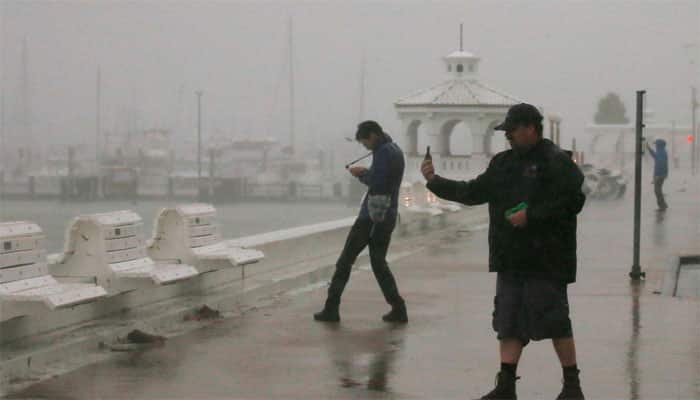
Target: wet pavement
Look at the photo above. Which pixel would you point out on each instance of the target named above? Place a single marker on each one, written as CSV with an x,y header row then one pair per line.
x,y
632,343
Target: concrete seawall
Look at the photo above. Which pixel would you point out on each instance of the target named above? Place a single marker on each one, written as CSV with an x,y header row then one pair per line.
x,y
41,345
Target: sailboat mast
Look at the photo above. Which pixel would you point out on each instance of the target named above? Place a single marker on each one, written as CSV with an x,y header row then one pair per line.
x,y
292,139
3,153
26,102
98,116
3,158
362,89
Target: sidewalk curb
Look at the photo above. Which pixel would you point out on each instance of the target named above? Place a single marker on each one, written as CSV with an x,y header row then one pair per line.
x,y
672,277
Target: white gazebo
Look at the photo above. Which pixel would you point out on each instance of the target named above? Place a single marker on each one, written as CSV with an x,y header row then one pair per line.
x,y
438,110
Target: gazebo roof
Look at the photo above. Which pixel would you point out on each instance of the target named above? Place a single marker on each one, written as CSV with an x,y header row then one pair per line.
x,y
458,92
461,54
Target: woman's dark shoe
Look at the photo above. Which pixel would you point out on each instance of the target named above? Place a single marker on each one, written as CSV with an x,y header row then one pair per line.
x,y
327,315
397,315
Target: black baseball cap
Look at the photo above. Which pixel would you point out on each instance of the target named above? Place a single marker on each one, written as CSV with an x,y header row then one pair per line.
x,y
520,114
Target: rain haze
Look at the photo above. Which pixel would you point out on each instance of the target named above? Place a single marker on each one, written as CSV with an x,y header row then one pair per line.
x,y
561,55
187,187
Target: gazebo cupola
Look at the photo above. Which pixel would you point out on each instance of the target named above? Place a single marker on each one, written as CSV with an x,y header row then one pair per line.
x,y
462,65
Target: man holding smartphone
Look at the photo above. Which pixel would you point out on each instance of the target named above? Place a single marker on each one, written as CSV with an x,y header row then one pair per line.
x,y
534,194
374,225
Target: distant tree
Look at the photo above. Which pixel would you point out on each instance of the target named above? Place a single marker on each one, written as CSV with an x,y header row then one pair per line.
x,y
611,110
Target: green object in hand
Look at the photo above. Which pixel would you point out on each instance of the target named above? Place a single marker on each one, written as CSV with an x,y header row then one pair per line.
x,y
521,206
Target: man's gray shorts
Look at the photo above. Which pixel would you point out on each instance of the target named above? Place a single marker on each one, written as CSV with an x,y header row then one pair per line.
x,y
528,308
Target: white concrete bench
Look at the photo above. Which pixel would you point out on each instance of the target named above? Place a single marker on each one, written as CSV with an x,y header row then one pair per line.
x,y
25,282
189,233
110,247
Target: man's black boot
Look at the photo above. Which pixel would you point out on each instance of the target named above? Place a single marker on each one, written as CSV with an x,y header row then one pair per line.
x,y
572,387
505,388
397,315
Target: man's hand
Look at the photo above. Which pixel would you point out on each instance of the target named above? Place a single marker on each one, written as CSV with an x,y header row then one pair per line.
x,y
518,219
427,169
357,171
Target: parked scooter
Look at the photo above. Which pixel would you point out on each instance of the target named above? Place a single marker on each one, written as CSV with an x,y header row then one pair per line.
x,y
603,183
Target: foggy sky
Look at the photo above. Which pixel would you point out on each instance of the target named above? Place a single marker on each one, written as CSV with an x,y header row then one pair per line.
x,y
560,55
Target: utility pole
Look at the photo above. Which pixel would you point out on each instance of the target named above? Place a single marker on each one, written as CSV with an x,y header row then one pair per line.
x,y
636,273
199,144
694,130
692,53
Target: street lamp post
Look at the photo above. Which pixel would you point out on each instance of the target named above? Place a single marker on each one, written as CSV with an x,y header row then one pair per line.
x,y
554,129
636,274
551,129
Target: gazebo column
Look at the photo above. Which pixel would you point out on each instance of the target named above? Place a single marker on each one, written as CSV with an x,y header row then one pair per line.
x,y
436,140
410,129
446,149
479,128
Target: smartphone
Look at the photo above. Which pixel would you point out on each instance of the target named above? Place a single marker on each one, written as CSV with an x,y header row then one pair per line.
x,y
427,154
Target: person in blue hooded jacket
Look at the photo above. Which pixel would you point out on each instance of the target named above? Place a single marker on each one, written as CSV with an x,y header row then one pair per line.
x,y
374,224
660,171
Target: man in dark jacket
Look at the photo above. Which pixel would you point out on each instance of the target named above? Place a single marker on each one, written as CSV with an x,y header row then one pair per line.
x,y
534,194
660,171
374,225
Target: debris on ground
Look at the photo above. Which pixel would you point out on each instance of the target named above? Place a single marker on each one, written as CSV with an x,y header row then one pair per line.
x,y
203,313
135,340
